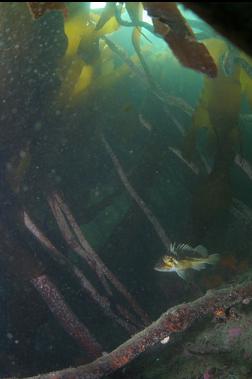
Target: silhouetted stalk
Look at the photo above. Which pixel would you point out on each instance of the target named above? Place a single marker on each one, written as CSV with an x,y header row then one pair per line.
x,y
174,320
148,213
76,240
94,295
57,255
190,165
171,101
73,242
65,316
244,165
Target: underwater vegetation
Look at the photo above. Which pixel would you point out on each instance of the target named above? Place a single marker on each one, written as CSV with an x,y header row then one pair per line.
x,y
218,112
123,140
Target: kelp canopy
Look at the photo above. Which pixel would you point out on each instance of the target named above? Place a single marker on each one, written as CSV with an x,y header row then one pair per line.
x,y
72,65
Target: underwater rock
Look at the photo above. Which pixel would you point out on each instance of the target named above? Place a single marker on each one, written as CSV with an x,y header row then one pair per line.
x,y
221,351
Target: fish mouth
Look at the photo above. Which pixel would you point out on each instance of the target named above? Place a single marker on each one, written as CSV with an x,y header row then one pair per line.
x,y
160,269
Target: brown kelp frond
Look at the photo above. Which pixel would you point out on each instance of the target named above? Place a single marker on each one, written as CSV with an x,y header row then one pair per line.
x,y
180,37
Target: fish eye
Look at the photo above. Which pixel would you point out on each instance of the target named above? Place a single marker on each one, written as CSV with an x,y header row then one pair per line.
x,y
168,260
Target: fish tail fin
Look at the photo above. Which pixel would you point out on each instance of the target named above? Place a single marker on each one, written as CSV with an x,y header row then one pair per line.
x,y
213,259
199,266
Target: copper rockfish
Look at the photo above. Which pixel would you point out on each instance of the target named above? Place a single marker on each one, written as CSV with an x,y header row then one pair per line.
x,y
183,257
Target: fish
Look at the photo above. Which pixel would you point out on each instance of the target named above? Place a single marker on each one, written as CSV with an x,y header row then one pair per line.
x,y
183,257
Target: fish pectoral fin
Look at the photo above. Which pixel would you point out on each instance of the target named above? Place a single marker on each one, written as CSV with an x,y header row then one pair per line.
x,y
202,250
182,274
199,267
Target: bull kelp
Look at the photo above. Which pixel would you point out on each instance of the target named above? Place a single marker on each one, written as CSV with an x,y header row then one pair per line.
x,y
126,207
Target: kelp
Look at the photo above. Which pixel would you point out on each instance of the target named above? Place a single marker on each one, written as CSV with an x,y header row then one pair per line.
x,y
180,37
171,101
114,10
174,320
83,57
108,78
231,19
218,111
139,23
246,76
135,11
219,104
107,14
84,28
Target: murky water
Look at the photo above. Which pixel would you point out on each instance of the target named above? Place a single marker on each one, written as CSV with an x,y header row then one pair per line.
x,y
116,159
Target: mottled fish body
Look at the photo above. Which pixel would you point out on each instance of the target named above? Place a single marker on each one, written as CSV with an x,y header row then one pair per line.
x,y
183,257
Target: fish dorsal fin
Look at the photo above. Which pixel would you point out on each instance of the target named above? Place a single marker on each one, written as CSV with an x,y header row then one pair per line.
x,y
188,249
202,250
184,247
173,248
